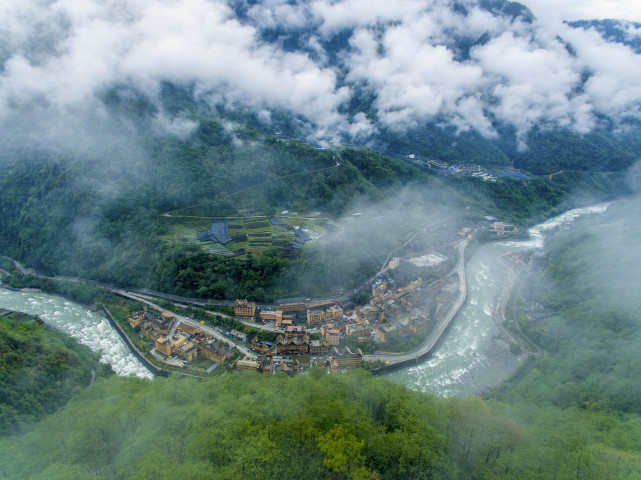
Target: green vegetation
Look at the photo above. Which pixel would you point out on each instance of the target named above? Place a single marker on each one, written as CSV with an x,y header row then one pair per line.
x,y
593,341
40,370
311,426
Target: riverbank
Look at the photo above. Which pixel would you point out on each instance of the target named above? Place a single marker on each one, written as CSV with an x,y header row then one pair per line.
x,y
413,357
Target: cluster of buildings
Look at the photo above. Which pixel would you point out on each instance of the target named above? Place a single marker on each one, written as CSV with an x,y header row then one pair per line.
x,y
501,229
391,313
294,351
174,340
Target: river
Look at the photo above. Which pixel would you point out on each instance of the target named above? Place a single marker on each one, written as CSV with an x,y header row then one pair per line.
x,y
474,354
87,327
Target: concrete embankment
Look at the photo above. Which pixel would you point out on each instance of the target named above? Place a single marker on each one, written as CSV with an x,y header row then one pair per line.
x,y
137,353
418,355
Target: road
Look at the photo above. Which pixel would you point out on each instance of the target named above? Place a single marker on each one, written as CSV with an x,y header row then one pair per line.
x,y
436,334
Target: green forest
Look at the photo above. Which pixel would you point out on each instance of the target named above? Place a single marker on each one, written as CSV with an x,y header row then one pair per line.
x,y
40,370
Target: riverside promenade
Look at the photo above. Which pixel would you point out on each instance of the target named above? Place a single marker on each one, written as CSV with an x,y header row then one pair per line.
x,y
394,361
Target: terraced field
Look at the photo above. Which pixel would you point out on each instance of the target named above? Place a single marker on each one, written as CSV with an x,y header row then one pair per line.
x,y
248,235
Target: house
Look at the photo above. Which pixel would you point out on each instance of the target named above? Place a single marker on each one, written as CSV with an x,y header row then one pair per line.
x,y
163,346
315,318
272,316
345,359
247,364
333,337
214,352
243,308
333,313
367,314
188,351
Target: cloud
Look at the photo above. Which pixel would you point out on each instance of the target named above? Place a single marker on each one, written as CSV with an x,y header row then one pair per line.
x,y
182,41
552,10
58,57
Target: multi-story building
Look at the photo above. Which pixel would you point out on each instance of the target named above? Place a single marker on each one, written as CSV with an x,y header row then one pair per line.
x,y
163,346
346,359
188,329
293,331
334,313
333,337
188,351
367,314
135,319
315,318
291,304
247,364
357,329
243,308
291,346
386,333
318,347
272,316
214,352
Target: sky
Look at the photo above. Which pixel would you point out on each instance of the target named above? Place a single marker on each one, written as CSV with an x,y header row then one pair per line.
x,y
58,58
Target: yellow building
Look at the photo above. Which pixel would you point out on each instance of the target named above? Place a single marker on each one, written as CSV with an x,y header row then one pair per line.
x,y
163,346
315,318
294,331
134,320
246,364
333,313
333,337
357,329
243,308
346,359
367,314
188,351
272,316
187,328
214,352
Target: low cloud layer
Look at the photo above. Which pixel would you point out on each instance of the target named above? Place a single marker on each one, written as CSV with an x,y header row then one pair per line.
x,y
421,61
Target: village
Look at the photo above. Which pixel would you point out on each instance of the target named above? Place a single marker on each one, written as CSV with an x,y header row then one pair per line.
x,y
310,332
307,332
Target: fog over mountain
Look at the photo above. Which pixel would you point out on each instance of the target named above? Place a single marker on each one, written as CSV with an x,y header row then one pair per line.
x,y
349,67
